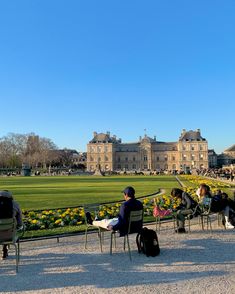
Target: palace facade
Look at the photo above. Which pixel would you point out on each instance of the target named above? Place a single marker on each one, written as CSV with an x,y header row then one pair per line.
x,y
110,154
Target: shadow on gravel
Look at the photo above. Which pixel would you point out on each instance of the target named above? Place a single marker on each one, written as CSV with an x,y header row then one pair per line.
x,y
52,270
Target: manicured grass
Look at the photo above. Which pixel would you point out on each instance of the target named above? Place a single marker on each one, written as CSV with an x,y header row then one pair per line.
x,y
65,191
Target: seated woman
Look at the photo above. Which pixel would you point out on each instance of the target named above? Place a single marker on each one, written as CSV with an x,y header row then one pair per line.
x,y
186,207
219,203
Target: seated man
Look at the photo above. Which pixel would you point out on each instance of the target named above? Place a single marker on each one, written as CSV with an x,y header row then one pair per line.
x,y
121,223
13,211
186,207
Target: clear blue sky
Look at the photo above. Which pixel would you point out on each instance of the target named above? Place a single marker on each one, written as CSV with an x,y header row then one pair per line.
x,y
68,68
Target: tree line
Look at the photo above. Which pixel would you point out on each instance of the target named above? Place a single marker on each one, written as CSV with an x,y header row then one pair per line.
x,y
32,150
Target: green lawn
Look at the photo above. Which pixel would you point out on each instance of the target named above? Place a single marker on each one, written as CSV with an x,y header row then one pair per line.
x,y
65,191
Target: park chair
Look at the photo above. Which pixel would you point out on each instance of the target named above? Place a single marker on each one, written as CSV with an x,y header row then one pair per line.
x,y
9,236
205,216
135,217
94,211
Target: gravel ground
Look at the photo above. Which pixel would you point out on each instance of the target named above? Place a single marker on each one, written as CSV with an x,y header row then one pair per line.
x,y
199,262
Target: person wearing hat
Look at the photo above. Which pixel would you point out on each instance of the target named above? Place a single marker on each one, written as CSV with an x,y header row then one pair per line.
x,y
15,212
121,222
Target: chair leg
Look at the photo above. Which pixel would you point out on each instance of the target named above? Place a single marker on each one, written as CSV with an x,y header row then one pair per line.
x,y
129,249
17,258
111,244
86,238
100,238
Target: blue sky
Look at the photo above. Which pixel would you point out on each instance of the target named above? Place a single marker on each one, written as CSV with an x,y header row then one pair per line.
x,y
68,68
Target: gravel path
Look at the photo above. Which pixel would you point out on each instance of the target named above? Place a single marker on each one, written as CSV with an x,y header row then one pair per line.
x,y
199,262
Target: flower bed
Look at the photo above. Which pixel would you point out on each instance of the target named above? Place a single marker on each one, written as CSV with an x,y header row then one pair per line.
x,y
54,218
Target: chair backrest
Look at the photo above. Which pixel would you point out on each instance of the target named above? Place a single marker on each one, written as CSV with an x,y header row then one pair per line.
x,y
135,221
7,229
206,207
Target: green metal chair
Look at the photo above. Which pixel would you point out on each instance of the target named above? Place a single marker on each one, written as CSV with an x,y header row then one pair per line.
x,y
94,211
135,216
9,236
205,216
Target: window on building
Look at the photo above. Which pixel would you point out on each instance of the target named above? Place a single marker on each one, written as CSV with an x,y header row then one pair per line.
x,y
165,157
126,159
173,158
99,149
126,166
134,166
200,147
184,157
92,149
133,158
157,158
201,156
184,147
192,157
106,149
145,166
91,158
106,158
119,166
192,147
145,158
174,167
119,159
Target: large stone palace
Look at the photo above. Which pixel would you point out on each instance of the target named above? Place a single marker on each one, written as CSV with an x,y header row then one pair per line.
x,y
110,154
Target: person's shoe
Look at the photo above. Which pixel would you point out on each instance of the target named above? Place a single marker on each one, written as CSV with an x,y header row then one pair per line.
x,y
89,218
180,231
228,225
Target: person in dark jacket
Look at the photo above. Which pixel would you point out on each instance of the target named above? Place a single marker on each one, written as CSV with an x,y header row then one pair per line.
x,y
16,213
186,206
130,204
121,223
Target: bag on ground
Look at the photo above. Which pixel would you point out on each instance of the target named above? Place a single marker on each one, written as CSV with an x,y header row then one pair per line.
x,y
147,242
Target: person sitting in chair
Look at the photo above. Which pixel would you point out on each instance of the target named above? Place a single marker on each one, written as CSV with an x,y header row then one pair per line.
x,y
121,222
9,208
186,207
218,204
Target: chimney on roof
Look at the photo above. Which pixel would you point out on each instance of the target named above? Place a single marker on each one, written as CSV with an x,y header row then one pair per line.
x,y
140,138
183,131
198,130
155,138
115,137
94,134
108,133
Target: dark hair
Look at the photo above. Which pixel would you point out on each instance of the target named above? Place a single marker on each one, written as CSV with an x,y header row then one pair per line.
x,y
206,187
224,195
175,192
130,192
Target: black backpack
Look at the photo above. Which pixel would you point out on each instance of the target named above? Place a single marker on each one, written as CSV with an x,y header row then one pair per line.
x,y
6,207
147,242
